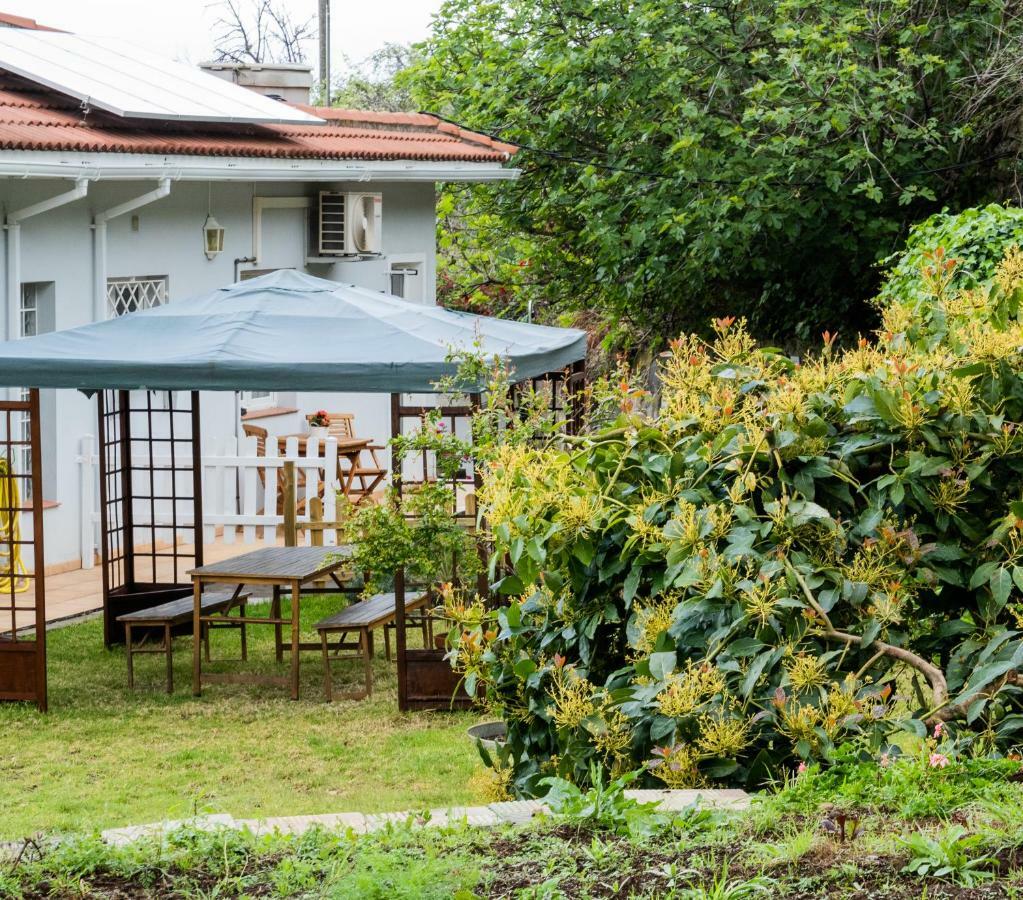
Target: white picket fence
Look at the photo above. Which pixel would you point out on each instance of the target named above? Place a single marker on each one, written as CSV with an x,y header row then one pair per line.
x,y
239,491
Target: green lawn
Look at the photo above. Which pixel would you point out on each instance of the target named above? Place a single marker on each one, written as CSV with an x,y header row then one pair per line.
x,y
105,757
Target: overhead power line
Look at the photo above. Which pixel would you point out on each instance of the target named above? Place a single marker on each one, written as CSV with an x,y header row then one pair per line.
x,y
562,156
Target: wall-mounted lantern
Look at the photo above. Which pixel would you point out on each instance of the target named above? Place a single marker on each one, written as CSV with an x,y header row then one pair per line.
x,y
212,237
212,231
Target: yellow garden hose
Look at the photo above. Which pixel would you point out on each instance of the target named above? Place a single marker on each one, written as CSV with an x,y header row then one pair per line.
x,y
11,566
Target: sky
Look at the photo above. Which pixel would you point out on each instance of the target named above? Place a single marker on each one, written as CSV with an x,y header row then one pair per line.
x,y
183,29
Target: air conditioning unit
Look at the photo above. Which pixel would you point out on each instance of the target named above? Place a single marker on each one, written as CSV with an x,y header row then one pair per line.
x,y
348,224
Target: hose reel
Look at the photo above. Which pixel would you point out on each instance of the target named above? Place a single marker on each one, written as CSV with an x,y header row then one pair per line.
x,y
12,567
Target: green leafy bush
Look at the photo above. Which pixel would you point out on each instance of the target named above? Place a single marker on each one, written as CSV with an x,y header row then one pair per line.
x,y
782,557
758,156
977,237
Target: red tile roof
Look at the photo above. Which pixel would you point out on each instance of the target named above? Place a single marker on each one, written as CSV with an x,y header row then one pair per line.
x,y
33,117
12,21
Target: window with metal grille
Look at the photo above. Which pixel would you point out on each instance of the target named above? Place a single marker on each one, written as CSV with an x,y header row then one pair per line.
x,y
128,295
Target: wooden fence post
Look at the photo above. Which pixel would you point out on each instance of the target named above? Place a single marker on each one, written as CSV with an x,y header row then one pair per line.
x,y
316,518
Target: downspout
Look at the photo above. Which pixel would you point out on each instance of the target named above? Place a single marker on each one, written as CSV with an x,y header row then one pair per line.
x,y
13,226
99,243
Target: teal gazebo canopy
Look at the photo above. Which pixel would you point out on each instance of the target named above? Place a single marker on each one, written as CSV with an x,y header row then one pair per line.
x,y
282,331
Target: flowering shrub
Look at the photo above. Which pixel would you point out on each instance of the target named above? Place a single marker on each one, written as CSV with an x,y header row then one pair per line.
x,y
782,556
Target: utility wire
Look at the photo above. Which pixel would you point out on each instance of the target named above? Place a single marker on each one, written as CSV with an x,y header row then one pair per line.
x,y
722,182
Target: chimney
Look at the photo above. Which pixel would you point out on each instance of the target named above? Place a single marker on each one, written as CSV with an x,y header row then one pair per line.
x,y
282,81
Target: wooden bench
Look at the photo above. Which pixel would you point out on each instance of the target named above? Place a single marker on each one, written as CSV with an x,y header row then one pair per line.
x,y
361,618
177,612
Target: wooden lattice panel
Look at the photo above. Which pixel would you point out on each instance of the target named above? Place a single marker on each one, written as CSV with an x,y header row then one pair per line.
x,y
150,499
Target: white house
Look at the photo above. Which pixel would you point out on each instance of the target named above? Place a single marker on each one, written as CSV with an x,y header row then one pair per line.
x,y
113,197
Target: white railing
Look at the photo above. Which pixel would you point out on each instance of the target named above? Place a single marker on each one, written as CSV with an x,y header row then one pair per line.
x,y
240,491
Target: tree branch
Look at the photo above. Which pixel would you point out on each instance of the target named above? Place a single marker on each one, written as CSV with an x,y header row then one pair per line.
x,y
934,675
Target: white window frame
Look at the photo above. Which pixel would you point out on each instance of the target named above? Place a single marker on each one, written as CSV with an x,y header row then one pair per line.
x,y
253,400
28,303
140,283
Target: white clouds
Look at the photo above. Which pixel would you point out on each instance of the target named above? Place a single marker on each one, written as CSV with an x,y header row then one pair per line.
x,y
183,29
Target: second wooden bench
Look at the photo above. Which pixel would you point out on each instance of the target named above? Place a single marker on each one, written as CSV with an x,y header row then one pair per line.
x,y
360,619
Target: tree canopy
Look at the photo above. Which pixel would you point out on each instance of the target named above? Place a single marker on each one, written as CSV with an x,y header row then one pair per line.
x,y
757,157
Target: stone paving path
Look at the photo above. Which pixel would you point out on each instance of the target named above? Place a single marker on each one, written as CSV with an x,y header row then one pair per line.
x,y
516,812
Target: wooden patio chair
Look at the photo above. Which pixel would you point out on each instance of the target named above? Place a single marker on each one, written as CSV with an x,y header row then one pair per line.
x,y
342,428
260,434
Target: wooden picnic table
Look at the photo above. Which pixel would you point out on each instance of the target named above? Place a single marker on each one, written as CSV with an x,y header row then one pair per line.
x,y
276,567
348,450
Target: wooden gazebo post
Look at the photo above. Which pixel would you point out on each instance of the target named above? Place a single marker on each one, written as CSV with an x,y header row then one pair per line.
x,y
22,656
425,678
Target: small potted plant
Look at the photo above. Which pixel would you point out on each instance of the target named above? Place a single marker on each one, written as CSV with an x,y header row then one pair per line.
x,y
319,425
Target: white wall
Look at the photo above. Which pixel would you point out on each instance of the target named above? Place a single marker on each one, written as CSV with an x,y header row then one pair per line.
x,y
58,247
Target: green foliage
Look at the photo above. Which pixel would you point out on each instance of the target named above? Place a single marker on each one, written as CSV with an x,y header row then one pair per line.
x,y
780,558
759,157
725,888
418,533
902,785
392,864
603,807
700,855
977,237
948,856
417,529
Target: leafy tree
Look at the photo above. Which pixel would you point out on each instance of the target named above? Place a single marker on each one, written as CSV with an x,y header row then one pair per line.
x,y
373,83
753,157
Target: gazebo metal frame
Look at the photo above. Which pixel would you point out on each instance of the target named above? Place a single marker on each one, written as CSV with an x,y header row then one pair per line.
x,y
150,461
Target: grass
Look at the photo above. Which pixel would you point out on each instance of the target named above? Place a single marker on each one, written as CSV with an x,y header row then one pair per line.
x,y
106,757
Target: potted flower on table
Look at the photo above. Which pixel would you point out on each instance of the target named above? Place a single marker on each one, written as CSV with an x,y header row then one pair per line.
x,y
319,425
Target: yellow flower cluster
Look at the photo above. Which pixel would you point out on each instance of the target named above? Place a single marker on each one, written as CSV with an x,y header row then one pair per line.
x,y
949,494
616,735
687,690
1009,274
881,561
522,480
689,390
721,736
652,618
806,672
573,697
799,721
761,599
677,767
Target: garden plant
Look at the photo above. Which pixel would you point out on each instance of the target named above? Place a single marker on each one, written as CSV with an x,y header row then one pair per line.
x,y
770,558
